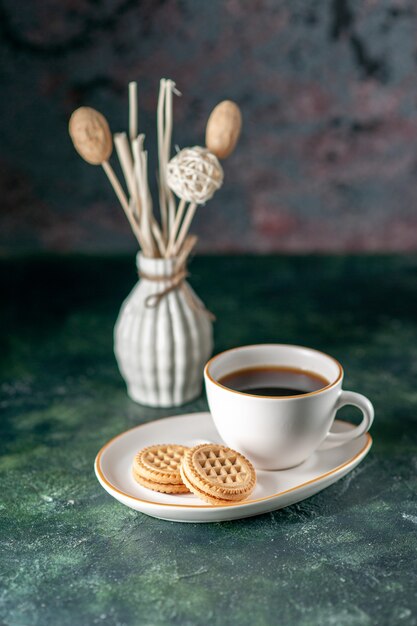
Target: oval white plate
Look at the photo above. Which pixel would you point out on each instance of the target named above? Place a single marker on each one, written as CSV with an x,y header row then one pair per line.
x,y
274,490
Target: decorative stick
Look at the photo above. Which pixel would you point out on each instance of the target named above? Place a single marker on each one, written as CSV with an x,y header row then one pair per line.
x,y
189,244
147,214
156,231
133,110
136,227
137,147
176,225
125,157
123,201
185,227
162,188
114,181
169,88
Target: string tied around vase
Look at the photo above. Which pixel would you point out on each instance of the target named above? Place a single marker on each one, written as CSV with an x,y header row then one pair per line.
x,y
176,281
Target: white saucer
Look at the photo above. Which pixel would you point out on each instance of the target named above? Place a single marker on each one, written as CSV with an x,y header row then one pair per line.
x,y
274,490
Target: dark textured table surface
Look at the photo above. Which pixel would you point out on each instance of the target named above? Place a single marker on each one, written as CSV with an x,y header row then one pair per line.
x,y
73,555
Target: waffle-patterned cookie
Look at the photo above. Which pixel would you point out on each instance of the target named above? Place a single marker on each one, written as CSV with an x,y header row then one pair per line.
x,y
157,467
217,474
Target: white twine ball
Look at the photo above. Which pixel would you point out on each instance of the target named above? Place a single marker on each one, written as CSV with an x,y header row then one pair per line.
x,y
194,174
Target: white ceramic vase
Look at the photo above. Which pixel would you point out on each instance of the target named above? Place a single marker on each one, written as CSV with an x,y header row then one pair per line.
x,y
162,344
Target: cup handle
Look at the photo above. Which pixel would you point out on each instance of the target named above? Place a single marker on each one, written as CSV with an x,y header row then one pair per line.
x,y
361,402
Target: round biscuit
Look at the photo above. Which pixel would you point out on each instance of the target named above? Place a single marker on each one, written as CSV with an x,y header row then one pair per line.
x,y
219,472
161,487
160,463
200,494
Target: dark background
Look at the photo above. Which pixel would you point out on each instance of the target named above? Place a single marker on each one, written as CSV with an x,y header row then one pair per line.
x,y
328,90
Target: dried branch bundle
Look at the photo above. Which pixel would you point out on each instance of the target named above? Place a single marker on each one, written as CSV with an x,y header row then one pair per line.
x,y
194,174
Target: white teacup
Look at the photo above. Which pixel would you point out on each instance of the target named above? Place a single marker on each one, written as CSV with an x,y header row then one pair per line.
x,y
279,432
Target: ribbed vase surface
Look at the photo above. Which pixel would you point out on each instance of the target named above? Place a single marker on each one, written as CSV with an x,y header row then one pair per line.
x,y
162,343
